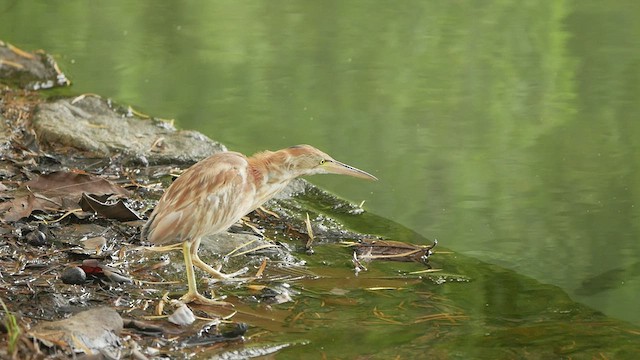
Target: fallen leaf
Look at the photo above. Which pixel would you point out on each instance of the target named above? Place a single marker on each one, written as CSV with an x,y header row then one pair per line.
x,y
57,191
118,210
61,183
19,208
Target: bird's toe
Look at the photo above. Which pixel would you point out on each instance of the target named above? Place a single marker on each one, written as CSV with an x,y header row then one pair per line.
x,y
195,297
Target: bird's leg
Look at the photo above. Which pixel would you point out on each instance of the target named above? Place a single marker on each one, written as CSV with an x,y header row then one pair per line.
x,y
214,272
193,295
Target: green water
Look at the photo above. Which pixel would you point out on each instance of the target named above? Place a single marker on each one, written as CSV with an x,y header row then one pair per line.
x,y
505,129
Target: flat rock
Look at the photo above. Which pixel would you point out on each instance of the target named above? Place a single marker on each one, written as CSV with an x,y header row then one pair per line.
x,y
92,124
89,331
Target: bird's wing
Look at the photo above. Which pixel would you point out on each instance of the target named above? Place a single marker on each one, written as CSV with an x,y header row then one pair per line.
x,y
207,198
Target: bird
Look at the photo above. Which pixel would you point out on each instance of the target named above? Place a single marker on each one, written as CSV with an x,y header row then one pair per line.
x,y
216,192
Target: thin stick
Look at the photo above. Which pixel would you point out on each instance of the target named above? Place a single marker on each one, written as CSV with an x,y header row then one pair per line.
x,y
261,269
266,246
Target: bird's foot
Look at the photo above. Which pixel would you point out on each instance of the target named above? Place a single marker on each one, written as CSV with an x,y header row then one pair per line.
x,y
219,275
233,277
196,297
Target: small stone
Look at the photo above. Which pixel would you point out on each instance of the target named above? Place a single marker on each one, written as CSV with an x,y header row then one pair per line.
x,y
36,238
182,316
74,276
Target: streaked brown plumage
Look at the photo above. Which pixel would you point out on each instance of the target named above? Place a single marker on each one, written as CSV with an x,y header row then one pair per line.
x,y
216,192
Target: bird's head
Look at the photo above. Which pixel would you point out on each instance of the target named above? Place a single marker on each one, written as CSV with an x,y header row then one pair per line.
x,y
303,160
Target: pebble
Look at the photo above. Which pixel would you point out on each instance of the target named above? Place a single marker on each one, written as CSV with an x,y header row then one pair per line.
x,y
37,238
182,316
74,276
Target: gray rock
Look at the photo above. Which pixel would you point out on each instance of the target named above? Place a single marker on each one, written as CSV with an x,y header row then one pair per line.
x,y
91,124
91,331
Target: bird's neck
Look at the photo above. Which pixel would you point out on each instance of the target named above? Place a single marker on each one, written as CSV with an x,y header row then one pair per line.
x,y
269,176
269,167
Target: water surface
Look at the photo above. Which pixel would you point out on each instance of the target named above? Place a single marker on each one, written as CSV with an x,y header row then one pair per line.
x,y
505,129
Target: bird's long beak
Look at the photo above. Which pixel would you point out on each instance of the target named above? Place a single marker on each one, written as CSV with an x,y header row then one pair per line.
x,y
336,167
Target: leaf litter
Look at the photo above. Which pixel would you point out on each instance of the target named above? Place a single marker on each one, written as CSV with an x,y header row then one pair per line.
x,y
57,191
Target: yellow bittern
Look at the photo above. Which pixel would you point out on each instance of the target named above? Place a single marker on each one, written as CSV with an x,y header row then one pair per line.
x,y
218,191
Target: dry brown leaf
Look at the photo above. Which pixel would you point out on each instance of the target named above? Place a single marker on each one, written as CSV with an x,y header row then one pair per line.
x,y
118,210
57,191
61,183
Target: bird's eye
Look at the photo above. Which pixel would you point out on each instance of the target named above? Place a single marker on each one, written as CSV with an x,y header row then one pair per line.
x,y
322,161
